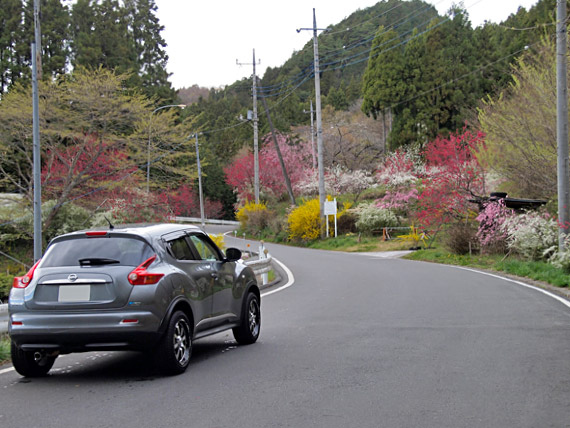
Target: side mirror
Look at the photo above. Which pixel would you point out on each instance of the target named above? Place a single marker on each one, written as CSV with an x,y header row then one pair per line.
x,y
233,254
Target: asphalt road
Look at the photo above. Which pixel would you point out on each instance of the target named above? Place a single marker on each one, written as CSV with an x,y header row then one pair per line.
x,y
355,341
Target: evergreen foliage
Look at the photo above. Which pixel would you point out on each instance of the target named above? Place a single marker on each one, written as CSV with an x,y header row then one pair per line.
x,y
120,35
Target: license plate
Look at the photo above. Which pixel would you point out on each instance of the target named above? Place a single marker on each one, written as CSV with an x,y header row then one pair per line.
x,y
74,293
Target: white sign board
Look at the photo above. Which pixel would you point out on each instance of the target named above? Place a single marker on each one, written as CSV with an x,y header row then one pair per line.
x,y
330,207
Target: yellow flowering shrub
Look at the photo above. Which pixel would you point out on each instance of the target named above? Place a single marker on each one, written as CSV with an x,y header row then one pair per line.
x,y
218,240
304,221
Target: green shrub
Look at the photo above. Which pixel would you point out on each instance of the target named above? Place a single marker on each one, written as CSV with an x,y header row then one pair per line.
x,y
346,223
371,218
460,237
5,286
4,348
278,228
254,218
69,218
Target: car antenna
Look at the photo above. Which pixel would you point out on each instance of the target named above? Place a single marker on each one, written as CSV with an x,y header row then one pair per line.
x,y
111,227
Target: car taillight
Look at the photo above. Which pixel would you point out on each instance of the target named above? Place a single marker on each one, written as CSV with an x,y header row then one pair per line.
x,y
24,281
140,276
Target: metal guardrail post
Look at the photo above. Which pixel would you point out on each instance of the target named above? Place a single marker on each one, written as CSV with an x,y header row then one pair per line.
x,y
3,318
261,267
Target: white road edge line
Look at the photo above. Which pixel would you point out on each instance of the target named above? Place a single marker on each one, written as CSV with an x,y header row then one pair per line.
x,y
11,369
524,284
289,283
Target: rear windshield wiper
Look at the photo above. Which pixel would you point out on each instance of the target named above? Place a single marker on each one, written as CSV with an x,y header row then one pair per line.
x,y
95,261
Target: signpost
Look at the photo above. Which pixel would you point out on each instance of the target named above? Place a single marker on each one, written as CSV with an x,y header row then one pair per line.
x,y
330,209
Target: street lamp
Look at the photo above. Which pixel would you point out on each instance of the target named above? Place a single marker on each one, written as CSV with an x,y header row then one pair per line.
x,y
200,194
252,117
148,151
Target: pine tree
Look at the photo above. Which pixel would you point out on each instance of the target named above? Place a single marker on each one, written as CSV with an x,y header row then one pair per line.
x,y
382,83
85,48
54,18
149,45
11,14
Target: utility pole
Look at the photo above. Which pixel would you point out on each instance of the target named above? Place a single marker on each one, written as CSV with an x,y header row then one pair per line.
x,y
255,131
36,75
321,168
562,124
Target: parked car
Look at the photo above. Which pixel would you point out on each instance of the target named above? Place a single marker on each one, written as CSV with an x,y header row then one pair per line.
x,y
150,288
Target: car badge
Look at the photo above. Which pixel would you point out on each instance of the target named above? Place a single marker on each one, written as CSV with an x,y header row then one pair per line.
x,y
72,277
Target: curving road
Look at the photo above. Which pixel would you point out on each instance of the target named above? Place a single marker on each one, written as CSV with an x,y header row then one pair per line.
x,y
356,341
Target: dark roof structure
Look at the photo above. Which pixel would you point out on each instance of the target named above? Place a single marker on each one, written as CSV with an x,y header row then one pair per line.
x,y
514,203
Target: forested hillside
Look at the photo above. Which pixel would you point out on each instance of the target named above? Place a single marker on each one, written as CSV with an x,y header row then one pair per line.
x,y
426,72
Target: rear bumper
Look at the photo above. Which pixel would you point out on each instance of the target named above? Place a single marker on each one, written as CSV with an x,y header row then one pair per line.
x,y
76,332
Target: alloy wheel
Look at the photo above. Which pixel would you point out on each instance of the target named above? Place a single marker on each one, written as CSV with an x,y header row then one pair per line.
x,y
181,339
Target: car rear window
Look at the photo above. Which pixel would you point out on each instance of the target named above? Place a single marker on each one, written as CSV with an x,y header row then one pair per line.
x,y
97,251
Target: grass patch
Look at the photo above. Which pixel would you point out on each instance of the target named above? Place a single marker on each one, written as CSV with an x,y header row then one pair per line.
x,y
439,255
4,348
352,243
539,271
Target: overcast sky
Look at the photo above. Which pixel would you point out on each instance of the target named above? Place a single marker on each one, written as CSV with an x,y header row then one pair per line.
x,y
205,38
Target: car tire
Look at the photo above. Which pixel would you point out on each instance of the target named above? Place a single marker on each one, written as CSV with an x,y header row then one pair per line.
x,y
175,348
250,327
31,363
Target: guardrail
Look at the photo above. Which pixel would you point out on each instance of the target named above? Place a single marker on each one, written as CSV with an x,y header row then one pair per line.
x,y
261,268
209,221
3,318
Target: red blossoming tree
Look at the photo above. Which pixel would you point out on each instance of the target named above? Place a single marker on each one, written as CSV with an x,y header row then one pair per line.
x,y
453,176
297,159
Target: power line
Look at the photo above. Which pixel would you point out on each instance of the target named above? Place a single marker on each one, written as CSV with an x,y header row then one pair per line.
x,y
303,73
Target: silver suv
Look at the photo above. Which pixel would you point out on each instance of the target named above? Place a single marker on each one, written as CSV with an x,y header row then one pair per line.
x,y
144,288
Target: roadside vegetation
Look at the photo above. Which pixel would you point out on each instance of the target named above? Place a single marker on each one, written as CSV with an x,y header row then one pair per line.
x,y
4,348
511,264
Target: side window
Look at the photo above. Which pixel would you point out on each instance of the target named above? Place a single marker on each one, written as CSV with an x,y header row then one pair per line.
x,y
180,249
204,248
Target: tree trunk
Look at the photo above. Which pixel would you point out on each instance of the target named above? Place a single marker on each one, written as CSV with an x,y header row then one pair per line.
x,y
281,162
